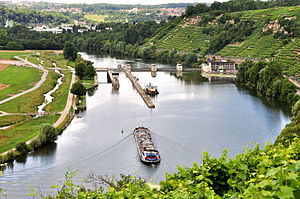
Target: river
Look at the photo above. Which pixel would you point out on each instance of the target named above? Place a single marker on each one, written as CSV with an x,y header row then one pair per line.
x,y
192,115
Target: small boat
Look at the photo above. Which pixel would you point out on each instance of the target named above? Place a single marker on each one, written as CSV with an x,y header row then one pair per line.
x,y
151,90
146,149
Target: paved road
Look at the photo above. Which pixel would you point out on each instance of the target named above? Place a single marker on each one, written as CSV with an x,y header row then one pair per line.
x,y
33,88
69,102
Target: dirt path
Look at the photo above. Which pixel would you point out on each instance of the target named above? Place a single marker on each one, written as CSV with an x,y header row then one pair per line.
x,y
3,66
296,83
69,102
43,79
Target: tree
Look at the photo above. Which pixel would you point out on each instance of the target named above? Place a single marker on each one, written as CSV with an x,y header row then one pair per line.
x,y
243,68
47,134
78,89
79,69
70,51
12,45
89,71
296,108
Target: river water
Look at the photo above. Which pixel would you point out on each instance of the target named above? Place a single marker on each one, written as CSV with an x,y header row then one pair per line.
x,y
192,115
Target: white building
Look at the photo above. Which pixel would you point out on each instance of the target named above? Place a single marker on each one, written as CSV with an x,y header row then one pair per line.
x,y
45,28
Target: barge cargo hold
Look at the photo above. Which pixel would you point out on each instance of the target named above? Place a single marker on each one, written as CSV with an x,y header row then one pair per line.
x,y
146,149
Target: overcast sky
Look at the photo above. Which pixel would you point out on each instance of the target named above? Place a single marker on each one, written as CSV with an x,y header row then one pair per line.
x,y
145,2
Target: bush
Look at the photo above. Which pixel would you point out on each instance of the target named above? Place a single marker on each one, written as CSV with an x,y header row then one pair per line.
x,y
70,51
47,134
35,143
22,147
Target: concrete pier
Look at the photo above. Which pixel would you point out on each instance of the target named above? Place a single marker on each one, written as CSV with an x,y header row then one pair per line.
x,y
113,78
142,93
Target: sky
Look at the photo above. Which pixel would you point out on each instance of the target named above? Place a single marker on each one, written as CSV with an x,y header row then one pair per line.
x,y
145,2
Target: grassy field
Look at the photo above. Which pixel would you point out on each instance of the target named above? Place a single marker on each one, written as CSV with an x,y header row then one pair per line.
x,y
95,17
61,95
10,55
23,132
30,101
19,78
7,120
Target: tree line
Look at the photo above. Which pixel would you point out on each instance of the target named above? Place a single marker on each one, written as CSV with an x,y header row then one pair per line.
x,y
237,5
267,79
30,16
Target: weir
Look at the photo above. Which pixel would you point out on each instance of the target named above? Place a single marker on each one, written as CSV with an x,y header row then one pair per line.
x,y
113,78
148,69
142,93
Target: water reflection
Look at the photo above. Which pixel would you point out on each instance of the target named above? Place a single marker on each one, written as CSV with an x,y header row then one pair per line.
x,y
190,77
92,91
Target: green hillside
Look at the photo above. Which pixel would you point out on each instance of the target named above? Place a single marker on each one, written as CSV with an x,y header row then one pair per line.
x,y
260,34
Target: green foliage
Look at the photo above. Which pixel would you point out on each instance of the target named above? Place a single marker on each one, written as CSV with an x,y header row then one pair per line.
x,y
242,75
84,69
70,51
78,89
12,45
237,5
296,108
35,143
290,131
269,173
267,78
22,147
47,134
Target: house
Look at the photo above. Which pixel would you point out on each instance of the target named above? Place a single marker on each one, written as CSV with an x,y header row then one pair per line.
x,y
222,66
45,28
67,27
9,23
82,30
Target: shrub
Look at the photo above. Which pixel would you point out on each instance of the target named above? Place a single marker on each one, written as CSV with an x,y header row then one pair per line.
x,y
36,143
47,134
22,147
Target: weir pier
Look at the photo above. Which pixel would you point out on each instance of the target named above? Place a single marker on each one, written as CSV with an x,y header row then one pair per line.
x,y
142,93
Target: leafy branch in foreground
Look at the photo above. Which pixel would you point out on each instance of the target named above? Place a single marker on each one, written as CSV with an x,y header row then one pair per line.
x,y
269,173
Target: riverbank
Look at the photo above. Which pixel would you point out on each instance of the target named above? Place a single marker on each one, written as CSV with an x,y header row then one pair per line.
x,y
58,112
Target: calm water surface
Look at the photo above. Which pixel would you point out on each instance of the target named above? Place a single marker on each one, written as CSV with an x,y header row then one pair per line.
x,y
192,115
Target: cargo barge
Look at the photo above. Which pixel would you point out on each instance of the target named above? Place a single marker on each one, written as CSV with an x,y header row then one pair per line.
x,y
146,149
151,90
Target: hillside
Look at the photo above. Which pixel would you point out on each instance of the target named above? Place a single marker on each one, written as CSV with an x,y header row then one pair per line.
x,y
260,34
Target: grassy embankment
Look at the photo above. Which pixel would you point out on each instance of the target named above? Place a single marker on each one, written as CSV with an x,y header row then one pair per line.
x,y
23,132
18,79
29,103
